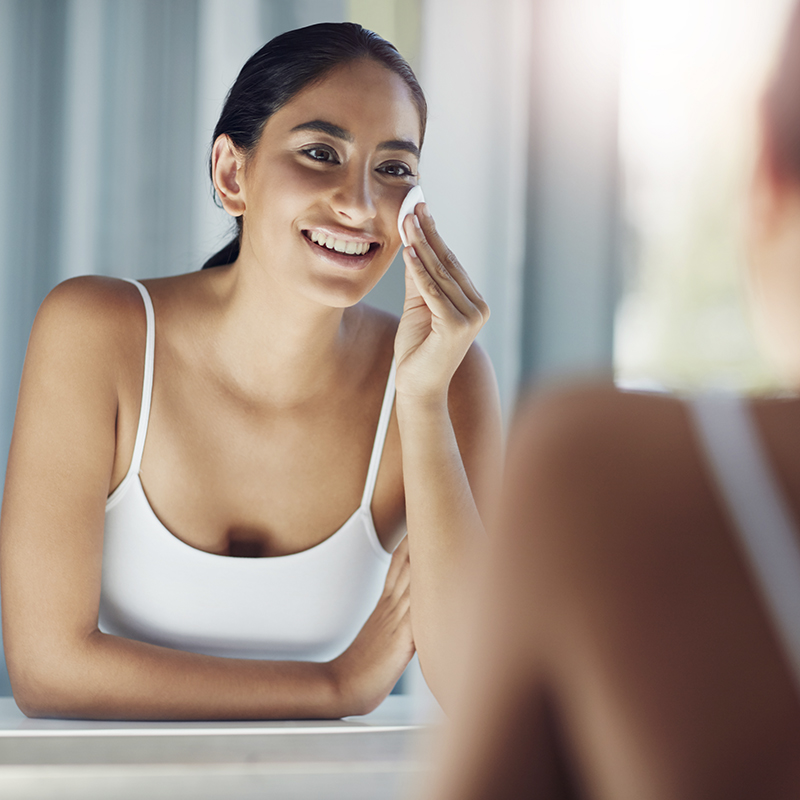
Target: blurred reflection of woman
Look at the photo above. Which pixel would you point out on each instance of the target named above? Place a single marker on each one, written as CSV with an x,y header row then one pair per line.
x,y
214,539
642,635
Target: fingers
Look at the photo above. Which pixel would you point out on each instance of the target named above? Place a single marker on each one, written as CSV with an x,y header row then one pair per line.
x,y
402,584
403,606
437,273
427,227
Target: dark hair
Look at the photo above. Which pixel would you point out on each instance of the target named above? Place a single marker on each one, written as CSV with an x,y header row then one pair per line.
x,y
783,103
285,65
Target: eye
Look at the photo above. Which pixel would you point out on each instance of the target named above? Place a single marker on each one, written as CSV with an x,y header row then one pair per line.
x,y
397,169
322,155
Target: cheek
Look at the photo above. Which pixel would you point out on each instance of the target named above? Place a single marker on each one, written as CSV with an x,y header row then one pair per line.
x,y
269,219
389,200
285,188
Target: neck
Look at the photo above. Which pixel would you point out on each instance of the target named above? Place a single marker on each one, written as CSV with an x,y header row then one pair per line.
x,y
276,346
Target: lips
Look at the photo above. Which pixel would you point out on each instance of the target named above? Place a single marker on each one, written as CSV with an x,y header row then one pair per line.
x,y
347,246
341,248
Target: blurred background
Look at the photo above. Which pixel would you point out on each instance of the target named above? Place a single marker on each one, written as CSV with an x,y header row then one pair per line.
x,y
587,160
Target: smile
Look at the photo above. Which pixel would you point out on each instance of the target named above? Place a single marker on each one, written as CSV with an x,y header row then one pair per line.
x,y
345,246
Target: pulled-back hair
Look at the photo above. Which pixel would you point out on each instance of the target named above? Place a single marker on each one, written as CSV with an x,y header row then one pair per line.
x,y
783,103
285,65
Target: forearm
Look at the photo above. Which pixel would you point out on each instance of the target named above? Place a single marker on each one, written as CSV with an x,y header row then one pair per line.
x,y
108,677
444,527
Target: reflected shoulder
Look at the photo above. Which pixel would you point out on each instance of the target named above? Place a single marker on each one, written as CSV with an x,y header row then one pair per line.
x,y
591,460
582,418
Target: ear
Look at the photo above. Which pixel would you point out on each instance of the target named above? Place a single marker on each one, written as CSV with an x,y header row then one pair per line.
x,y
226,166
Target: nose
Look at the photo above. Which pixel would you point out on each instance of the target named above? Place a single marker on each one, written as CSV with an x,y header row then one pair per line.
x,y
353,200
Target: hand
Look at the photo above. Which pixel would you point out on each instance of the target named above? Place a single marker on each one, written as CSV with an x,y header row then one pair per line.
x,y
366,672
442,314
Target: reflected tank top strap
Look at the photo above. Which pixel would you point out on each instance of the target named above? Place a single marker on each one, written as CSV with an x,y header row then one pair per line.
x,y
147,383
761,516
380,438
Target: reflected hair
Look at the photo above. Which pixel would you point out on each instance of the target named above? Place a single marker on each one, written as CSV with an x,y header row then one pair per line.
x,y
282,68
782,103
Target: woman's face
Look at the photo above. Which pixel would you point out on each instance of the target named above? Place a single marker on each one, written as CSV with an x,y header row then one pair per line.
x,y
323,189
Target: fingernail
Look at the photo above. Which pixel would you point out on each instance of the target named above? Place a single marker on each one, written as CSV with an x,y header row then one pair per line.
x,y
416,222
412,252
425,212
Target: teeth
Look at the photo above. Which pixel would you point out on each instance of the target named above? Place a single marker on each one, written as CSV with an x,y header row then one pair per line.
x,y
339,245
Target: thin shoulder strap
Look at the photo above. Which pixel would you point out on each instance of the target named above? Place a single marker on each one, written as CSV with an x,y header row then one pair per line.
x,y
380,438
761,516
147,383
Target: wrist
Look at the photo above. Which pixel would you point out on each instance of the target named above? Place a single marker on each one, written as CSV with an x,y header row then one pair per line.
x,y
434,403
344,700
334,689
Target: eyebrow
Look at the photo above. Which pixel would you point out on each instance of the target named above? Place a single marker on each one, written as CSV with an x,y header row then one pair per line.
x,y
340,133
325,127
400,144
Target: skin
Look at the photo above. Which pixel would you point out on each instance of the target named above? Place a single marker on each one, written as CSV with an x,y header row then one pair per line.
x,y
269,377
623,650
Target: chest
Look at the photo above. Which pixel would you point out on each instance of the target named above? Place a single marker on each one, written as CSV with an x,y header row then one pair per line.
x,y
245,479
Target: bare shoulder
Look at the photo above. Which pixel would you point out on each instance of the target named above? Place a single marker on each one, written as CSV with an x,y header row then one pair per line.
x,y
90,329
375,331
90,306
86,338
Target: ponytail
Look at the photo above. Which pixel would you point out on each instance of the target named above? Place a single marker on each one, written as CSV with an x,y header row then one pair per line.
x,y
227,255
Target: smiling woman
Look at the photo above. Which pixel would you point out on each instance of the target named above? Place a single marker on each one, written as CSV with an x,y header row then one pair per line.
x,y
212,475
349,143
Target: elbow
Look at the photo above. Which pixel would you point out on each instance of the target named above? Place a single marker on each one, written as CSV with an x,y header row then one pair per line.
x,y
31,705
33,697
38,695
46,686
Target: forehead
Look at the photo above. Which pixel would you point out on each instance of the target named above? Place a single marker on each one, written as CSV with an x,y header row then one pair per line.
x,y
362,97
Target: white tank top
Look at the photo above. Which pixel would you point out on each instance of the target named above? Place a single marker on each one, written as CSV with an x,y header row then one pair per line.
x,y
304,606
759,512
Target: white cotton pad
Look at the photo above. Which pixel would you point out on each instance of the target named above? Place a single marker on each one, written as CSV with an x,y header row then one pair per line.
x,y
413,197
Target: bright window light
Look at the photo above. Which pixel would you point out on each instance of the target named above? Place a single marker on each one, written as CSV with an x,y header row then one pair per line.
x,y
691,76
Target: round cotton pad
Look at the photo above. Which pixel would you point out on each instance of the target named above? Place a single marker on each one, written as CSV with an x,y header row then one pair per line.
x,y
413,197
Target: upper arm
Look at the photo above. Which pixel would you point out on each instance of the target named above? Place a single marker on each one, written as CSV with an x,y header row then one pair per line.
x,y
59,467
474,406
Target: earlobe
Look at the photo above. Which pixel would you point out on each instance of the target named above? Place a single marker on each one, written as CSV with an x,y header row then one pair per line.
x,y
226,163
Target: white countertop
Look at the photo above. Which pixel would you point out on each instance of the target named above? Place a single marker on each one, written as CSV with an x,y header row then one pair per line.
x,y
380,755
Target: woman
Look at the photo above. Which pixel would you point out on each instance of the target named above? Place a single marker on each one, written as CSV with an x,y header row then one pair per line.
x,y
642,635
192,509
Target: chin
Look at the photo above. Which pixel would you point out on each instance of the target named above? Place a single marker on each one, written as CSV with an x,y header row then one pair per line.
x,y
338,293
